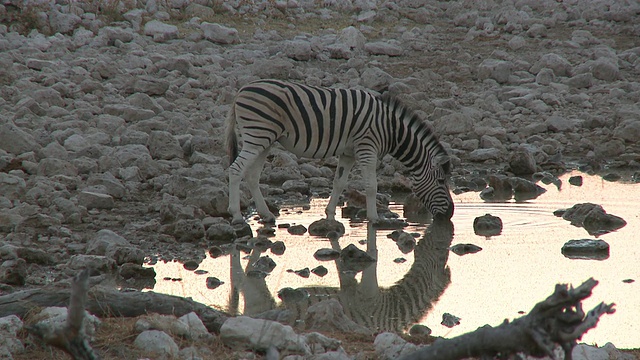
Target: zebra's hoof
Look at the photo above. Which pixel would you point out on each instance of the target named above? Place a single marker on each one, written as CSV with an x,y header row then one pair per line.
x,y
239,221
268,220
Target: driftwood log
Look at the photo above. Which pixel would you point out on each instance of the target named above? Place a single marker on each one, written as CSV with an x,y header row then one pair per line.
x,y
108,302
558,320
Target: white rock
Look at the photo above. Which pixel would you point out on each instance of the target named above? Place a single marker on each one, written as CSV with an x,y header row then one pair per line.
x,y
63,23
94,200
352,37
157,343
162,145
243,332
499,70
629,130
12,187
392,346
103,241
545,76
15,140
517,42
54,318
555,62
559,124
485,154
375,79
219,34
9,327
383,48
76,142
606,69
455,123
298,50
51,167
196,328
128,112
160,31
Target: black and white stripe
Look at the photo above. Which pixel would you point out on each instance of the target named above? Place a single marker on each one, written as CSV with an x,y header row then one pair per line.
x,y
319,122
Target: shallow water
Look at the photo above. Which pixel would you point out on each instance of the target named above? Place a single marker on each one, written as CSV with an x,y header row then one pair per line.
x,y
514,270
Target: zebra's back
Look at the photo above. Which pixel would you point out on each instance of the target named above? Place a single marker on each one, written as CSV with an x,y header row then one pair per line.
x,y
309,121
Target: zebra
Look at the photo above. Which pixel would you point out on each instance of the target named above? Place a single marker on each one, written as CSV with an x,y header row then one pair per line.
x,y
395,308
316,122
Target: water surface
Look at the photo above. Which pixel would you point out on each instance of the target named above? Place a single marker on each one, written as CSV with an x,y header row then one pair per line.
x,y
514,270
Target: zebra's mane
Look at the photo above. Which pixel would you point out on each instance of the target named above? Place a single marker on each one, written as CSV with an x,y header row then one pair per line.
x,y
409,117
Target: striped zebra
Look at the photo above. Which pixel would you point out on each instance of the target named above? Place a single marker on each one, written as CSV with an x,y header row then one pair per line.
x,y
395,308
317,122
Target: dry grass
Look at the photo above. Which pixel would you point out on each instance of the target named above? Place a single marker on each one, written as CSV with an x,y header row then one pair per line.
x,y
115,337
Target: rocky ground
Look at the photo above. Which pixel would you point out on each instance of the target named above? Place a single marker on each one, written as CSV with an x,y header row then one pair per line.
x,y
112,115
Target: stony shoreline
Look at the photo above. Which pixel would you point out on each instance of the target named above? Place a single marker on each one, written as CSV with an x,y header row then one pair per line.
x,y
111,119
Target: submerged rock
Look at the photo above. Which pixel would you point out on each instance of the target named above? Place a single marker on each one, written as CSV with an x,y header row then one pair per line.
x,y
487,225
463,249
354,259
213,282
326,254
264,263
320,270
449,320
324,226
592,218
586,249
575,180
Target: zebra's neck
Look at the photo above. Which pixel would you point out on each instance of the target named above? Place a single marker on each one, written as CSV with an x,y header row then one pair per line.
x,y
413,142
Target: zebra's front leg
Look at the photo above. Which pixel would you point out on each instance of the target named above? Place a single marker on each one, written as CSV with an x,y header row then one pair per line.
x,y
345,163
371,187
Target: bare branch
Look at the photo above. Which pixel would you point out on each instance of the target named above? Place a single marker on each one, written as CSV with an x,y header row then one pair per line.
x,y
557,321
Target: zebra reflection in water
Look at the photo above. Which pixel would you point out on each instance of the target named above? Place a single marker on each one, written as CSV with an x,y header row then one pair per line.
x,y
380,309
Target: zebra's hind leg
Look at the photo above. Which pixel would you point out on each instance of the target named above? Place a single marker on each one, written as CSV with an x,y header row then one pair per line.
x,y
247,165
253,180
345,163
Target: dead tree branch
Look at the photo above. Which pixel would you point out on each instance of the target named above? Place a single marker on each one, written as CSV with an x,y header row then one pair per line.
x,y
71,338
558,320
107,302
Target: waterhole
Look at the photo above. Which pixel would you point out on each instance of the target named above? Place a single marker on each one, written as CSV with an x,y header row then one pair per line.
x,y
512,272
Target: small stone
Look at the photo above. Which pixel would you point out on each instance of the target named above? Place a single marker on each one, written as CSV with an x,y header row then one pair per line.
x,y
576,180
264,263
297,230
156,342
219,34
487,225
586,249
190,265
463,249
449,320
320,270
160,31
419,330
326,254
278,248
324,226
93,200
213,282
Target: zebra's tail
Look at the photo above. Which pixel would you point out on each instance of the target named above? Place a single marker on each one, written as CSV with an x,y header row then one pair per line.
x,y
232,139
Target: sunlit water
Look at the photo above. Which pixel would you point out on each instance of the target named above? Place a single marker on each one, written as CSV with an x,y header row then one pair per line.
x,y
514,270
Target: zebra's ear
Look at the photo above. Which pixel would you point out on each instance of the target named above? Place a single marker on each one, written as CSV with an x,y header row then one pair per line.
x,y
442,160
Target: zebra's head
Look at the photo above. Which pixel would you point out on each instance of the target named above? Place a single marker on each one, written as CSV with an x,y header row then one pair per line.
x,y
432,187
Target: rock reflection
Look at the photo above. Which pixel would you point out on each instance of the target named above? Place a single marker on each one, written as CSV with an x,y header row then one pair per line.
x,y
366,303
